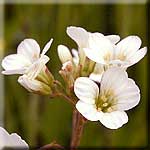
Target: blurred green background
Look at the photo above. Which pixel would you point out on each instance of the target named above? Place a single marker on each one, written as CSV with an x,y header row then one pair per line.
x,y
40,120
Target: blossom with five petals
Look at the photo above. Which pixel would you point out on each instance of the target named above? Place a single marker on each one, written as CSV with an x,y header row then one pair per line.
x,y
107,103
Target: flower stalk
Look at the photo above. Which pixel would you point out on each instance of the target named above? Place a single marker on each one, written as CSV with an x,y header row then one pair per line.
x,y
78,122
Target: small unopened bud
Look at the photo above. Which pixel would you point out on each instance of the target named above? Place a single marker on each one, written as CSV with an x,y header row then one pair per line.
x,y
67,66
64,54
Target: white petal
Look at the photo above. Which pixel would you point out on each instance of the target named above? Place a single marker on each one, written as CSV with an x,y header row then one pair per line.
x,y
119,63
86,90
97,34
113,120
23,80
113,38
99,42
36,67
87,110
30,84
128,96
75,56
15,64
16,141
128,45
33,85
113,79
11,140
94,55
138,56
100,49
126,92
46,48
10,72
44,59
79,35
96,75
30,49
64,54
3,137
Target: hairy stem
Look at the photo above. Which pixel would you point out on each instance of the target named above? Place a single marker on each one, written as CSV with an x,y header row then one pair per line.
x,y
77,129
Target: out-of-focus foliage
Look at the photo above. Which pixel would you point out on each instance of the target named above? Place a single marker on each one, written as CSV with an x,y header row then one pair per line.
x,y
40,120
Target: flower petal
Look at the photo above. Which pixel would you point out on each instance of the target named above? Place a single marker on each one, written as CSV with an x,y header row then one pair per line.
x,y
113,120
75,56
125,92
3,137
10,72
30,49
30,84
33,85
137,56
11,140
86,90
87,110
128,46
100,49
46,48
23,80
128,96
64,54
15,64
17,142
113,78
94,55
79,35
113,38
96,75
36,67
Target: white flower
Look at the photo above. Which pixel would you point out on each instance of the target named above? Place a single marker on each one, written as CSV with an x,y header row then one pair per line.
x,y
13,140
38,79
108,102
105,49
83,39
125,53
28,52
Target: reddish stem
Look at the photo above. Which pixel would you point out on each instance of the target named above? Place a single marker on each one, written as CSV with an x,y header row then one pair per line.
x,y
51,146
77,129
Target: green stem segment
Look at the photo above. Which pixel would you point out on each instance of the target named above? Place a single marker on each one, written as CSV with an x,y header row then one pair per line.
x,y
78,122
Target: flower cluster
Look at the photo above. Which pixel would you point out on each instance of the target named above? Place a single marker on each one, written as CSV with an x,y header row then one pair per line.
x,y
105,92
95,77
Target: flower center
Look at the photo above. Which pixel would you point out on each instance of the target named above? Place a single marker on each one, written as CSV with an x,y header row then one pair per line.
x,y
107,57
121,56
105,101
